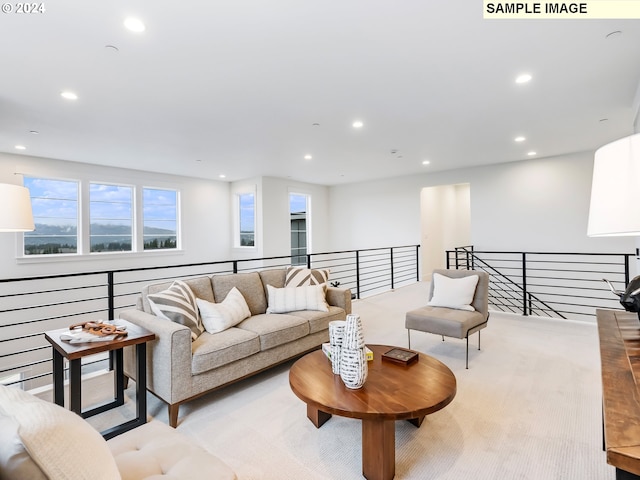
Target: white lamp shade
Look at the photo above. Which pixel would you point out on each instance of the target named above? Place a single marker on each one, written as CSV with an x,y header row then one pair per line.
x,y
15,209
615,191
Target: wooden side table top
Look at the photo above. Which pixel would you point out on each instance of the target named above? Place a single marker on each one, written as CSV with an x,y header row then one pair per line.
x,y
71,351
391,392
619,334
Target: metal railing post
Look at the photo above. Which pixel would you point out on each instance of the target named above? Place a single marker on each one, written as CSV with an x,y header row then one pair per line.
x,y
358,274
448,255
391,260
626,269
235,266
524,284
111,311
110,297
308,260
417,263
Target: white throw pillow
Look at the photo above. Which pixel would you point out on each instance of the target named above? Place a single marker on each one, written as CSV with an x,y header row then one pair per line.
x,y
61,442
217,317
453,292
291,299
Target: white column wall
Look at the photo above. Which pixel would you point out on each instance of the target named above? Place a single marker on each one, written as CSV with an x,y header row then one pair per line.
x,y
277,221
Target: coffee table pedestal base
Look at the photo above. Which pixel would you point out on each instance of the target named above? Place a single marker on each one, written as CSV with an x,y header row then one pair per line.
x,y
378,449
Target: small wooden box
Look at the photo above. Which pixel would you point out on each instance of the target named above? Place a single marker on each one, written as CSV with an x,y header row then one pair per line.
x,y
401,356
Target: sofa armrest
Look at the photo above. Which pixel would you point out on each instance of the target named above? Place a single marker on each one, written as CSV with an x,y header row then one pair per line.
x,y
168,356
339,297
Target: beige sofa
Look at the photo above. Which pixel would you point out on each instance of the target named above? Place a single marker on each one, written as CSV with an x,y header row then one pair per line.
x,y
179,369
40,440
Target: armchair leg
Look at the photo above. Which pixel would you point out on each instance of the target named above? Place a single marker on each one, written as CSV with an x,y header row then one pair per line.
x,y
409,337
173,415
467,364
478,339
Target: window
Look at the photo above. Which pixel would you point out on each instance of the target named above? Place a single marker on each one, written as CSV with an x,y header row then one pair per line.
x,y
55,214
111,217
247,217
74,217
298,212
160,219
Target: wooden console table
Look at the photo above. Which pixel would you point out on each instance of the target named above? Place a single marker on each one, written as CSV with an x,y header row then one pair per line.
x,y
619,333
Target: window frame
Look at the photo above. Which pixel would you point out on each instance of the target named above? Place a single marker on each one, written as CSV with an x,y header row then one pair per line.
x,y
237,230
79,238
132,219
307,196
178,220
83,226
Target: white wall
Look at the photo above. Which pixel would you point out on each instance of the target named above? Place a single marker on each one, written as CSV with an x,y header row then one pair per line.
x,y
204,207
445,223
277,221
533,205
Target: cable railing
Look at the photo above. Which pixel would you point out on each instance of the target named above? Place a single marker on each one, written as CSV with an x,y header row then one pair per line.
x,y
548,284
31,306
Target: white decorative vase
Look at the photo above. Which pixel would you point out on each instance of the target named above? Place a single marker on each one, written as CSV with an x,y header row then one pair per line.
x,y
336,335
353,358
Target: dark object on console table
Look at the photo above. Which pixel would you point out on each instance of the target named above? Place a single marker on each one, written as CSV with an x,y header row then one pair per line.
x,y
401,356
619,334
630,297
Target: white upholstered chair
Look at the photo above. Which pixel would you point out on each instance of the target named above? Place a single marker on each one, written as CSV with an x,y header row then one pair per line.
x,y
439,318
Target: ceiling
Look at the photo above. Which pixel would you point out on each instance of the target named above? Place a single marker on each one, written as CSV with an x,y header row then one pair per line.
x,y
249,87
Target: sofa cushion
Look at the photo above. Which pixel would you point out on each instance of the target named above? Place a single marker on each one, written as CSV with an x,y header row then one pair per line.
x,y
200,286
319,321
273,277
15,461
217,317
298,277
155,450
275,329
249,285
61,442
283,300
178,304
443,321
213,351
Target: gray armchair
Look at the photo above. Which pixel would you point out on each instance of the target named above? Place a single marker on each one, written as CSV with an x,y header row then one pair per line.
x,y
453,322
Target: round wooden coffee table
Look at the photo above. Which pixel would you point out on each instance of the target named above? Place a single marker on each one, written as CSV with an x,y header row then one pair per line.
x,y
392,392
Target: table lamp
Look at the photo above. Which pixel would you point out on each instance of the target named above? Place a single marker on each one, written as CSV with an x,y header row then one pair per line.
x,y
615,209
15,209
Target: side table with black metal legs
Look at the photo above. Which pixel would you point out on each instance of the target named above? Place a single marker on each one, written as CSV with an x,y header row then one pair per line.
x,y
75,352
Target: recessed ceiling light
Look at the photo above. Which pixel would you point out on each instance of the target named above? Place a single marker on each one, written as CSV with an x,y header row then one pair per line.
x,y
222,175
426,162
69,95
532,153
524,78
308,157
112,48
34,132
357,124
614,34
519,139
20,147
134,25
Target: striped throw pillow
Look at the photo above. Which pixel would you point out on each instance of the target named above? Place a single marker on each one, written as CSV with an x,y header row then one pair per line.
x,y
300,277
178,304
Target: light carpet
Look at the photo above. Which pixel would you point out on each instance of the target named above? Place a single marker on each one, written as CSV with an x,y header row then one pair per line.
x,y
529,407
